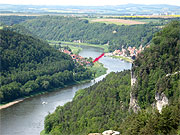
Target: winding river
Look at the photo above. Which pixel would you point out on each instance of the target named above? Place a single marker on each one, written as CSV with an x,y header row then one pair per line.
x,y
27,117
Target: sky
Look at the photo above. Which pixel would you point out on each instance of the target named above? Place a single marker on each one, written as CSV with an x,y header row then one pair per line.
x,y
88,2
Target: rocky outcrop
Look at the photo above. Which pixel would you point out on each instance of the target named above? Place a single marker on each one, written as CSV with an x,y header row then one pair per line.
x,y
107,132
161,101
95,134
133,78
111,132
133,100
133,104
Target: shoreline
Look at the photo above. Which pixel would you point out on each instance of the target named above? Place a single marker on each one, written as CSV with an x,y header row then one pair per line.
x,y
11,103
6,105
122,58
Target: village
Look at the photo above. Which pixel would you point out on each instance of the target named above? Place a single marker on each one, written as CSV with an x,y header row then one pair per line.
x,y
77,58
130,52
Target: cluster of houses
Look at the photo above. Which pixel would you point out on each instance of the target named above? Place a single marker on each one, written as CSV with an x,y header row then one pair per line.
x,y
129,52
77,58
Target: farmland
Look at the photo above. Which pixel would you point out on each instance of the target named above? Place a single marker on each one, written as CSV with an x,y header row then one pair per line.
x,y
132,20
117,21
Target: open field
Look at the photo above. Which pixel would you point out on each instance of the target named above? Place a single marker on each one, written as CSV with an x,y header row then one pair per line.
x,y
147,16
105,47
131,20
74,49
148,20
117,21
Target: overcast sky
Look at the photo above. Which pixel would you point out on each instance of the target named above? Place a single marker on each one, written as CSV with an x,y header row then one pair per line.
x,y
89,2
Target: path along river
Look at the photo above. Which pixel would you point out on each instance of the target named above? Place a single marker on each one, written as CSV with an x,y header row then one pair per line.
x,y
27,117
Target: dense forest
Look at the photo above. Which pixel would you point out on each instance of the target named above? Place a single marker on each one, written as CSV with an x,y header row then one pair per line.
x,y
105,105
155,63
20,29
151,122
94,109
11,20
72,29
30,65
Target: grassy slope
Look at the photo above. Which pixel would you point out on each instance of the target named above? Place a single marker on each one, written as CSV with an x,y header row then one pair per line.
x,y
98,68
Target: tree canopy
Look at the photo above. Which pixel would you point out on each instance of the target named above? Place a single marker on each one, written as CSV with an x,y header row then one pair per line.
x,y
72,28
94,109
157,67
30,65
105,105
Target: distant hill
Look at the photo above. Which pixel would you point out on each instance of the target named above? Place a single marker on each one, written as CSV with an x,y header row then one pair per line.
x,y
19,29
127,9
11,20
74,28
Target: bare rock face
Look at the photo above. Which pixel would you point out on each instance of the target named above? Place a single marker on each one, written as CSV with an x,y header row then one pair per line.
x,y
133,104
133,79
111,132
94,134
107,132
161,101
133,100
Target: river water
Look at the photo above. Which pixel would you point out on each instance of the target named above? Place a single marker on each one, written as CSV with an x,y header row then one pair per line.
x,y
27,117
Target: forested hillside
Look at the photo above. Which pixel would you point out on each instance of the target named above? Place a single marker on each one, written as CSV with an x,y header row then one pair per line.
x,y
94,109
151,122
105,105
11,20
155,65
29,65
71,29
20,29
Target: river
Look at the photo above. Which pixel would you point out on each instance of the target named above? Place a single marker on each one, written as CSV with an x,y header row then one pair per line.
x,y
27,117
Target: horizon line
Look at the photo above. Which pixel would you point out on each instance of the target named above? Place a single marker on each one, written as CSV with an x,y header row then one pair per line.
x,y
83,5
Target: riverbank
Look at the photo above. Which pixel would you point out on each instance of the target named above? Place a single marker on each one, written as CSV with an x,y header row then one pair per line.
x,y
98,68
123,58
6,105
43,133
105,47
11,103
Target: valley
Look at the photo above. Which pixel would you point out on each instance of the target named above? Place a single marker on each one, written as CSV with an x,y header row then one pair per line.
x,y
51,85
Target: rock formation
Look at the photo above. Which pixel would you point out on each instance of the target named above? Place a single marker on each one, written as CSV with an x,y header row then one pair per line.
x,y
161,100
133,100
